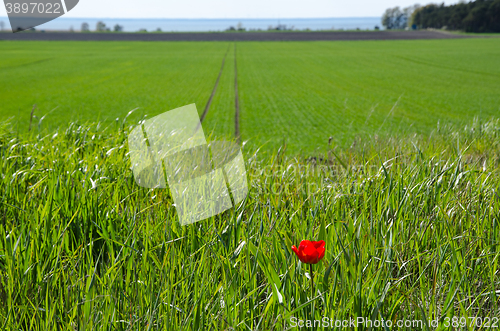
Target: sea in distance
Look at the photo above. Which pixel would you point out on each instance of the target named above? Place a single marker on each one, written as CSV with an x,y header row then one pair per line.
x,y
207,25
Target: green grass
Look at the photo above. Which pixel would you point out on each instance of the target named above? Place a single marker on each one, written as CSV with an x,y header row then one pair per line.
x,y
310,92
406,197
103,81
410,224
220,118
303,92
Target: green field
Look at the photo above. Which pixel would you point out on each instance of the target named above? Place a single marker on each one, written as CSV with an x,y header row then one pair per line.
x,y
102,81
406,197
308,91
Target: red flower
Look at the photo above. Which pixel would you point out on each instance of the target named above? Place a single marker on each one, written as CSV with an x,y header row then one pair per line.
x,y
310,252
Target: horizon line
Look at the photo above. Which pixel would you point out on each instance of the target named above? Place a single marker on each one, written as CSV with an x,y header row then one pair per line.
x,y
204,18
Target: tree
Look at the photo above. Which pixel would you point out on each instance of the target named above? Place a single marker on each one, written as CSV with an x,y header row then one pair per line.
x,y
494,13
392,18
474,16
397,18
408,13
100,27
475,20
118,28
85,27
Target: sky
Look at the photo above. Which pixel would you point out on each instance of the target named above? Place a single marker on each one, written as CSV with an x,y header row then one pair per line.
x,y
232,8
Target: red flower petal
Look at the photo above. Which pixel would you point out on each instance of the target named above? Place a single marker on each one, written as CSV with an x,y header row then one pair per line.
x,y
321,253
319,244
296,250
310,252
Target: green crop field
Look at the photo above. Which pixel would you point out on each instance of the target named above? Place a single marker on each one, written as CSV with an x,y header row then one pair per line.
x,y
103,81
348,89
308,91
406,196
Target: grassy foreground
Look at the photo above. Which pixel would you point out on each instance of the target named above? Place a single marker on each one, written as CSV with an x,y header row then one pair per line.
x,y
411,226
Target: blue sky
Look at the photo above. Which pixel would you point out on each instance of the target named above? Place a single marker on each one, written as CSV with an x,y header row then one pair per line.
x,y
232,8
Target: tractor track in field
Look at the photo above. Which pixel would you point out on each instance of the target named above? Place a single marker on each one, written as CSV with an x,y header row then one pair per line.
x,y
209,102
236,96
236,101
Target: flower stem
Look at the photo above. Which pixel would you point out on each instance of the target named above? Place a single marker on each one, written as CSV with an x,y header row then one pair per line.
x,y
312,282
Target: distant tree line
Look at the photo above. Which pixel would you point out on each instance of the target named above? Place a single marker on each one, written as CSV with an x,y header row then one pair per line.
x,y
101,27
475,16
